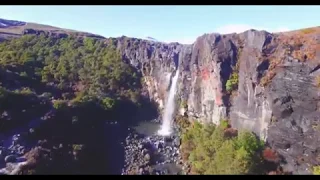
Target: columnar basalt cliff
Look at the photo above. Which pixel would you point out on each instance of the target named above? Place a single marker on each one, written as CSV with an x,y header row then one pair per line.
x,y
276,95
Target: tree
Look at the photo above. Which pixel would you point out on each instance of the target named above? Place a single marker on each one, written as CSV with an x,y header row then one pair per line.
x,y
59,104
232,83
108,103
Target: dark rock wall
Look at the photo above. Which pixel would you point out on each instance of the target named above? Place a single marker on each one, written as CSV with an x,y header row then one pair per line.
x,y
277,97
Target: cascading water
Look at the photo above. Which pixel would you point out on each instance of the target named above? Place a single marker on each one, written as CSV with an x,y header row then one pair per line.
x,y
169,108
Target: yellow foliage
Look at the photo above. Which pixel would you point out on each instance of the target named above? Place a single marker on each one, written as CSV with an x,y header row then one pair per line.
x,y
316,170
308,30
318,81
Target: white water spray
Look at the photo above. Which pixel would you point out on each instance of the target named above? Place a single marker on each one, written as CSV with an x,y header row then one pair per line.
x,y
169,108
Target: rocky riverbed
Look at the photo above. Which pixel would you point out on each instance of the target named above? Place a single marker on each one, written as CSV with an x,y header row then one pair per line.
x,y
146,152
15,144
11,153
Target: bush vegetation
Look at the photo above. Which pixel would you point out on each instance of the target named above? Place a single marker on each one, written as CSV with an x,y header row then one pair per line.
x,y
316,170
317,81
232,83
86,65
209,151
87,84
224,124
183,122
183,104
308,30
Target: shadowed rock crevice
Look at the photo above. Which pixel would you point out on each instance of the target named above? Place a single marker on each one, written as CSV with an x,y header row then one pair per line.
x,y
262,68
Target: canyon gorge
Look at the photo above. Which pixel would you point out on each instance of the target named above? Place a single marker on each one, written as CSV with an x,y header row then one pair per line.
x,y
266,83
276,93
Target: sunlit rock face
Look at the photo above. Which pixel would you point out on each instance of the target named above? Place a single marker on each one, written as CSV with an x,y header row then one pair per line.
x,y
276,97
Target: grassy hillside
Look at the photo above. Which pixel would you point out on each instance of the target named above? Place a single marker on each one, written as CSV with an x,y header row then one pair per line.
x,y
14,31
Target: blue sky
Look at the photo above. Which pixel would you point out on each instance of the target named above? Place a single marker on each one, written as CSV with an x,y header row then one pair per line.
x,y
167,23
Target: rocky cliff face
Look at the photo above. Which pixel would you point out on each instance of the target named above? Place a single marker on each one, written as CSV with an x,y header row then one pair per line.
x,y
277,95
276,82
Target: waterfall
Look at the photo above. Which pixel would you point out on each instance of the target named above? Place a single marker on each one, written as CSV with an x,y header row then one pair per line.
x,y
169,108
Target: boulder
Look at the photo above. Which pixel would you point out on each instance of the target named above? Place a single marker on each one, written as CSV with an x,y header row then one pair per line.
x,y
177,142
147,157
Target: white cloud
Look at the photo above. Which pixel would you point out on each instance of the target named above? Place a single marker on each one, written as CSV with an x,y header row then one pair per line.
x,y
238,28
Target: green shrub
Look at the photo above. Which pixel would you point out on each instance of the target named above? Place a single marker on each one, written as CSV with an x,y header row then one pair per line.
x,y
24,91
184,104
210,152
79,97
232,83
224,124
77,147
183,122
59,104
23,74
134,96
108,103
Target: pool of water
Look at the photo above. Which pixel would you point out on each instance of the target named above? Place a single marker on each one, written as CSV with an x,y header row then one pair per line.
x,y
150,129
147,128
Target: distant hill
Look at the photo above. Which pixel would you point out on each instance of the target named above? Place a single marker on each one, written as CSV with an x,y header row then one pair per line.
x,y
13,28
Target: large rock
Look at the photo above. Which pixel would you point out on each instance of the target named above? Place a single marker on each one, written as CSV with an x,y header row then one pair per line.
x,y
147,158
177,142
